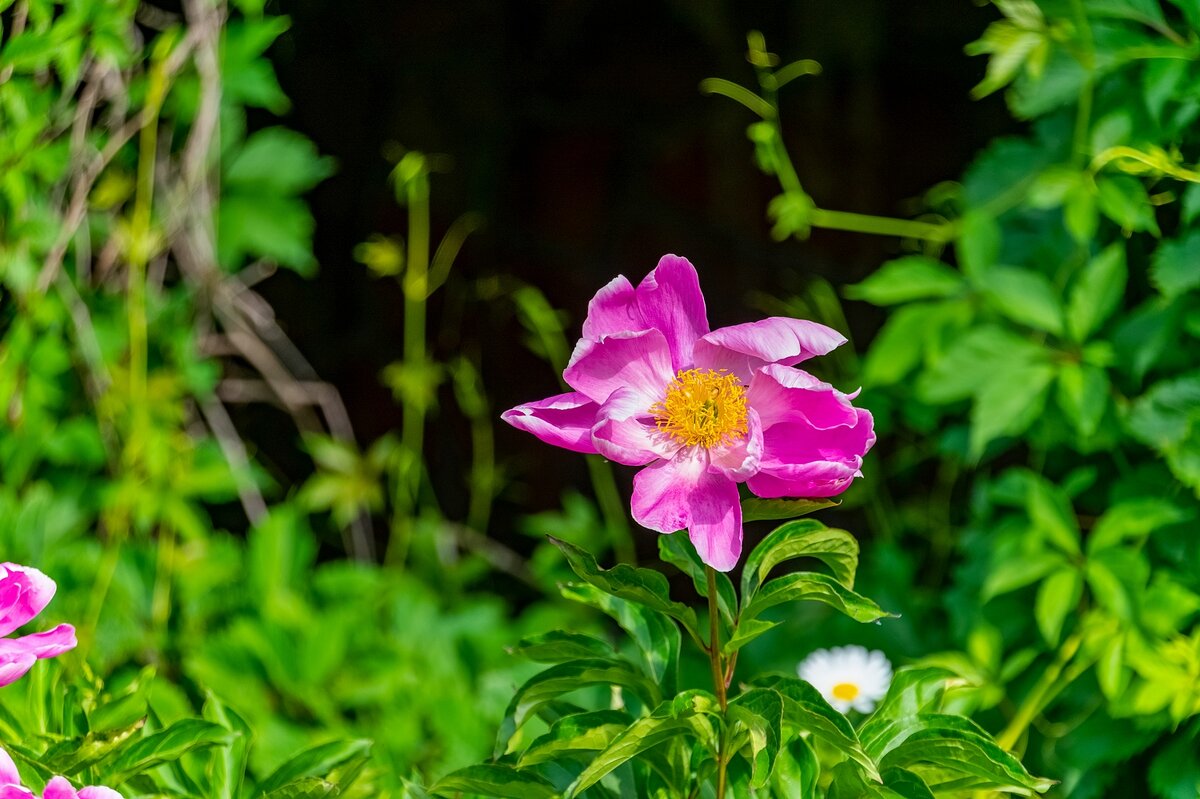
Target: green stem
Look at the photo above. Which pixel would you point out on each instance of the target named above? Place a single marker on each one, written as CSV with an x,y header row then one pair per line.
x,y
1083,112
719,674
412,433
881,225
1048,686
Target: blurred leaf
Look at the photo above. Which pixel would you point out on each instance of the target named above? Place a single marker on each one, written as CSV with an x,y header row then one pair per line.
x,y
913,277
276,161
1057,597
495,780
1097,292
1023,296
1174,267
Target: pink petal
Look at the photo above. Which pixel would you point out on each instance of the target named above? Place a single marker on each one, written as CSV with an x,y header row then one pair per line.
x,y
742,349
14,665
612,310
15,792
99,792
564,420
59,788
626,433
812,479
49,644
682,492
669,299
800,460
8,770
640,362
24,592
782,394
739,460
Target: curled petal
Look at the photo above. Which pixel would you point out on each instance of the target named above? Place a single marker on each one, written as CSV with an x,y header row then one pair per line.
x,y
627,434
564,420
51,643
740,460
98,792
14,665
781,394
800,460
683,493
8,770
15,792
742,349
639,362
24,592
612,310
59,788
669,299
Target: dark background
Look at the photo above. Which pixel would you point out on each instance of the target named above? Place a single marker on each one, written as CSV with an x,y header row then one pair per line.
x,y
576,128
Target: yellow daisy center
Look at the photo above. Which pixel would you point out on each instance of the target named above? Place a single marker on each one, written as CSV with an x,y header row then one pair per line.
x,y
703,407
845,691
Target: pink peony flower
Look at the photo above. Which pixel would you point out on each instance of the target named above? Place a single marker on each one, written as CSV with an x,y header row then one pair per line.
x,y
57,788
701,410
24,592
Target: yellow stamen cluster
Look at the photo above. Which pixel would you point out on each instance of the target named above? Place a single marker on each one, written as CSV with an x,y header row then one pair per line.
x,y
845,691
703,408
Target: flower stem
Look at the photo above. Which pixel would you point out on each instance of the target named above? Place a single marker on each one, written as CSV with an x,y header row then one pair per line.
x,y
1047,687
721,676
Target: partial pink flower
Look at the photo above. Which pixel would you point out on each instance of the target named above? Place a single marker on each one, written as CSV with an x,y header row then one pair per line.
x,y
57,788
701,410
24,593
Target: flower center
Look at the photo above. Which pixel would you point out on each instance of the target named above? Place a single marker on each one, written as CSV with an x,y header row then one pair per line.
x,y
703,407
845,691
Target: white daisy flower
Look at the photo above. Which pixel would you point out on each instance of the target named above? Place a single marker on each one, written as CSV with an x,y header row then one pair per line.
x,y
848,676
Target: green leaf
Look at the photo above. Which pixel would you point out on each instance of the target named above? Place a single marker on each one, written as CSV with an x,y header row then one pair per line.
x,y
746,631
974,361
757,509
1124,200
913,693
837,549
564,678
1008,403
656,636
955,744
1024,296
913,277
978,243
906,784
576,734
229,763
1133,520
1083,395
1051,513
1173,269
899,346
683,716
166,746
318,762
276,161
1115,575
797,770
677,550
1097,292
495,780
758,713
1018,570
817,587
276,228
805,709
1080,214
559,646
643,586
1057,597
1167,418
